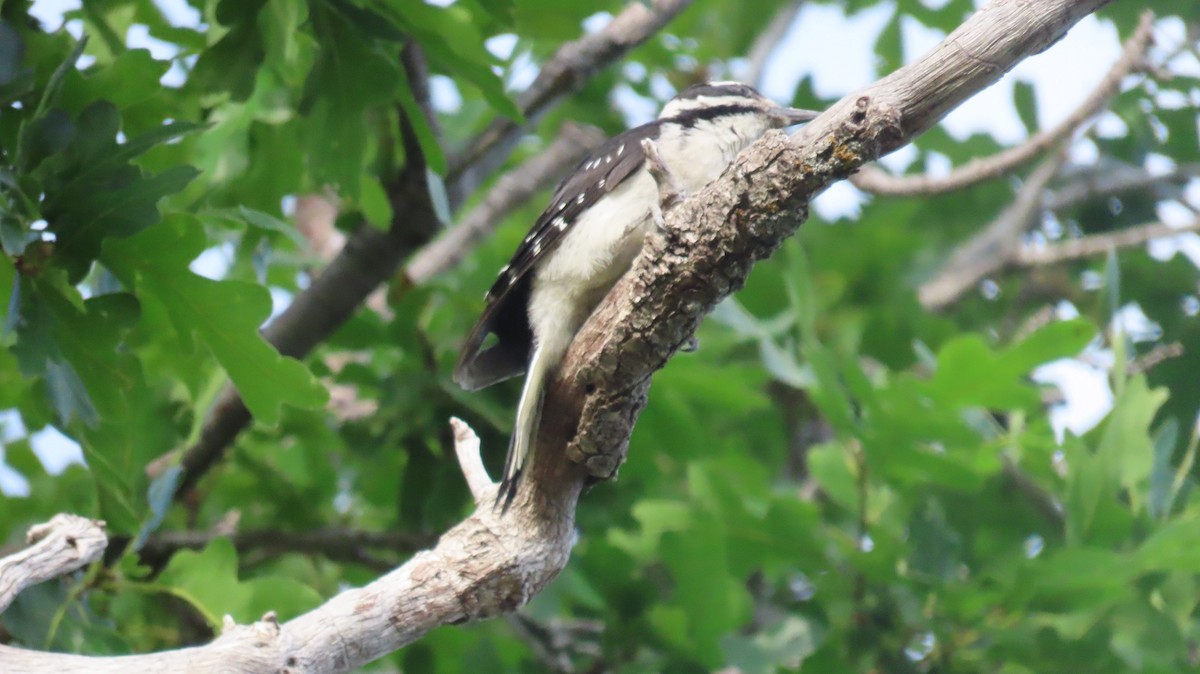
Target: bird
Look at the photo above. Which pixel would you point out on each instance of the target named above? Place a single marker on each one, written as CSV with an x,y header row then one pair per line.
x,y
588,237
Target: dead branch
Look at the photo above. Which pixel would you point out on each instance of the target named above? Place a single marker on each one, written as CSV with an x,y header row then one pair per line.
x,y
58,547
1132,59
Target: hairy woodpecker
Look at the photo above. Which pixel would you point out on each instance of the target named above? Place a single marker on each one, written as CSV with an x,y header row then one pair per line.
x,y
589,237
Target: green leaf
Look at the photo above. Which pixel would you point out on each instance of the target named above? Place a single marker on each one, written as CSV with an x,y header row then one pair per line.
x,y
1123,460
208,580
159,496
936,548
54,86
1172,548
375,204
83,224
1162,473
431,149
784,646
970,373
226,315
438,196
34,326
783,366
45,136
231,65
91,190
1026,103
68,393
501,11
551,20
713,602
349,78
1127,437
890,45
12,51
131,78
454,44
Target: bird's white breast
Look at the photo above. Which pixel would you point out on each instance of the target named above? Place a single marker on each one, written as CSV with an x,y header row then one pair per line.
x,y
602,244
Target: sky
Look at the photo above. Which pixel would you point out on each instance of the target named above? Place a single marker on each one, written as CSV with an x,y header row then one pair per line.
x,y
1061,77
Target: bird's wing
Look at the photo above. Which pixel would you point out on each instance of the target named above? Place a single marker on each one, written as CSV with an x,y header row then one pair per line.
x,y
504,313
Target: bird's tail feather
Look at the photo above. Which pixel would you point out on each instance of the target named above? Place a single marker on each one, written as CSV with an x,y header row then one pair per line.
x,y
529,413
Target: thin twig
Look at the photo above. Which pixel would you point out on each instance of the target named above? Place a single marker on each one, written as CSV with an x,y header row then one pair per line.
x,y
557,643
466,448
1154,357
1133,58
1119,180
1097,244
1041,500
994,247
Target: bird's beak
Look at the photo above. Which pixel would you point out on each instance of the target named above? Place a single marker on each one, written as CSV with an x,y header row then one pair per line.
x,y
789,116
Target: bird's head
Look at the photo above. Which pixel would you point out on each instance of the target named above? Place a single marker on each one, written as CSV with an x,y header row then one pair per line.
x,y
712,100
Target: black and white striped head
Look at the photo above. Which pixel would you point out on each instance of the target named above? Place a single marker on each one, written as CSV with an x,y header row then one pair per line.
x,y
716,100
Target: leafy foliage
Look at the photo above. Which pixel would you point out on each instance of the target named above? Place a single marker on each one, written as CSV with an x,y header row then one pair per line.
x,y
840,480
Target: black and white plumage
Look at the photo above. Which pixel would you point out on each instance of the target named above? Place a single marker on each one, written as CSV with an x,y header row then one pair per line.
x,y
590,235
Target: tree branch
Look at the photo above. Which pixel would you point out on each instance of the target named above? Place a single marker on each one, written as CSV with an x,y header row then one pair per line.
x,y
712,238
1119,180
347,545
1154,357
1133,58
1097,244
490,564
995,247
58,547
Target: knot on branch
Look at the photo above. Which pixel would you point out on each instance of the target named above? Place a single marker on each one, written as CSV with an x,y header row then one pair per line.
x,y
262,633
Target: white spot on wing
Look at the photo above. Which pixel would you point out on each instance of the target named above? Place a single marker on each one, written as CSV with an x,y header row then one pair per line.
x,y
537,250
579,199
608,159
560,223
562,205
620,149
602,183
